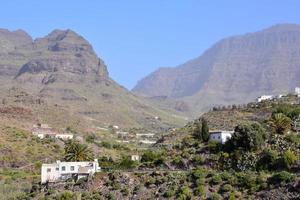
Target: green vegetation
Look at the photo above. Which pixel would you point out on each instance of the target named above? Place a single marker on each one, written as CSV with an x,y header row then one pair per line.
x,y
74,151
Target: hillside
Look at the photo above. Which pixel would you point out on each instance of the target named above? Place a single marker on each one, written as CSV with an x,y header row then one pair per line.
x,y
259,161
62,81
234,70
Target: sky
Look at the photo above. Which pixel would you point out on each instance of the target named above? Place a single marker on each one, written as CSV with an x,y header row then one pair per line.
x,y
136,37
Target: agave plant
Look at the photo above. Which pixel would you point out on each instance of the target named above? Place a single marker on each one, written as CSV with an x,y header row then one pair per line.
x,y
280,123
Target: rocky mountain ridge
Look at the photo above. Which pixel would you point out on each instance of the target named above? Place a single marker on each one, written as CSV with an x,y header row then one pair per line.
x,y
62,70
234,70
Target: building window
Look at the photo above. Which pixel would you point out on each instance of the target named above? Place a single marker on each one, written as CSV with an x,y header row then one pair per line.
x,y
57,169
219,137
48,169
72,168
63,168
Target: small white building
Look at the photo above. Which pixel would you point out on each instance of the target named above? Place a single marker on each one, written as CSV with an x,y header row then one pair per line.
x,y
145,135
115,127
147,142
44,130
64,136
264,98
135,157
297,91
220,136
61,171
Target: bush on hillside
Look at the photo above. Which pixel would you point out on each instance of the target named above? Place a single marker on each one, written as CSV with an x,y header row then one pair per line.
x,y
247,137
281,178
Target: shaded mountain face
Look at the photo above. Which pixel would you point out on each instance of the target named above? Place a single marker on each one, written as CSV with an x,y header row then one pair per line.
x,y
234,70
67,82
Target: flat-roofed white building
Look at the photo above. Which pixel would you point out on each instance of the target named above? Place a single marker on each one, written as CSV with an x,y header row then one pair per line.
x,y
60,171
135,157
64,136
220,136
264,98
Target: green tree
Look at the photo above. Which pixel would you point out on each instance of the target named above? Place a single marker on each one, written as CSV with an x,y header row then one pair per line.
x,y
204,131
247,137
197,129
280,123
74,151
127,163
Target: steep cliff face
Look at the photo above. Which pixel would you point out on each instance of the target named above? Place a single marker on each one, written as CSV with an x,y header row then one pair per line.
x,y
64,52
63,71
14,49
234,70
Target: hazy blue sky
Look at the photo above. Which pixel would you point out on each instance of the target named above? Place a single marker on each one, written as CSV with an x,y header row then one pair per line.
x,y
135,37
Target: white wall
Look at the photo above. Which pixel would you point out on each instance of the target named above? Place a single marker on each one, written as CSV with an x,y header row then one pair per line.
x,y
221,136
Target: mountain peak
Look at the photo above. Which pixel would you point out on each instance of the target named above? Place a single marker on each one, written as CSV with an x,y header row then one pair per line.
x,y
59,35
63,52
284,27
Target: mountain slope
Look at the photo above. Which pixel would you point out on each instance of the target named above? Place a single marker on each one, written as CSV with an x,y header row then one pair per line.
x,y
234,70
63,82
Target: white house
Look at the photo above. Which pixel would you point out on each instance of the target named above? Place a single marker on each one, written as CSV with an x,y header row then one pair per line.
x,y
64,136
135,157
264,98
44,130
220,136
297,91
61,171
147,142
145,135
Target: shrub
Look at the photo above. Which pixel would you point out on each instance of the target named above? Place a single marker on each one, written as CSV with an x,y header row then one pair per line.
x,y
198,160
65,196
125,191
281,178
225,176
127,163
200,181
152,157
199,173
90,138
213,146
200,191
267,160
225,188
216,179
231,196
247,181
185,193
170,192
289,159
215,196
111,196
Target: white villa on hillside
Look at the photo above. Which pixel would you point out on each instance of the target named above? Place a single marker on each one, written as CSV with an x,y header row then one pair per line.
x,y
44,130
220,136
60,171
135,157
264,98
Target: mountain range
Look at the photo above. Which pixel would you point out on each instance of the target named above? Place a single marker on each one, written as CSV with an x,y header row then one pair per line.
x,y
62,81
234,70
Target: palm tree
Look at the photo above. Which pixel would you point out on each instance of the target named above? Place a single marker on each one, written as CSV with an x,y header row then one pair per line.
x,y
74,151
280,123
